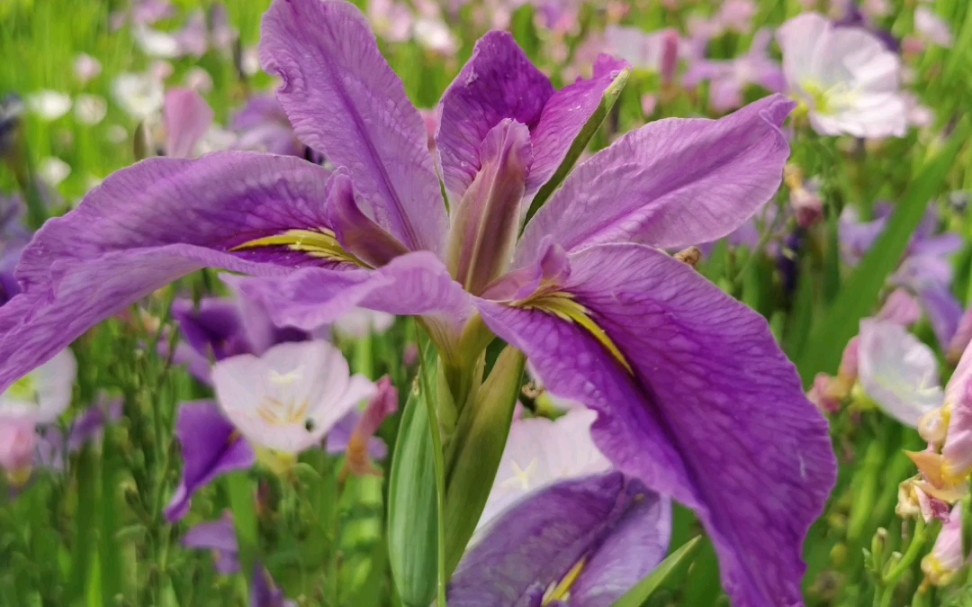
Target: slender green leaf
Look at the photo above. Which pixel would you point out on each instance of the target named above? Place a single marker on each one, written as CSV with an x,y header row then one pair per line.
x,y
859,294
675,562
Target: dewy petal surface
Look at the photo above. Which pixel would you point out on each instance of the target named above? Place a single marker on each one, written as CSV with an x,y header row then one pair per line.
x,y
672,183
345,101
498,82
537,542
145,227
714,415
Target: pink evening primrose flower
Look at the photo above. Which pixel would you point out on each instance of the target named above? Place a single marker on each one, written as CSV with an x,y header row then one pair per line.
x,y
288,398
898,372
845,78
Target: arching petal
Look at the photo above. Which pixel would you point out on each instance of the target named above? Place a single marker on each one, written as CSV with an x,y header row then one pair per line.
x,y
712,414
416,284
145,227
672,183
566,114
498,82
345,101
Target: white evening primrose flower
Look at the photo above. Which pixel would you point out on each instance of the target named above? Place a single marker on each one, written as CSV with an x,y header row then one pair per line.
x,y
49,105
37,399
139,95
53,170
157,44
540,452
898,372
844,76
90,109
289,398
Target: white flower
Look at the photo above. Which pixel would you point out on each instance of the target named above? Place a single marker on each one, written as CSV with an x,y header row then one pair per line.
x,y
540,452
53,170
848,80
898,372
49,105
361,322
90,109
157,44
434,35
139,95
291,396
37,399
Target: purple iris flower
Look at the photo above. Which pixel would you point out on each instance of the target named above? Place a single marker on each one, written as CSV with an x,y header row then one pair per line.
x,y
695,398
582,542
211,447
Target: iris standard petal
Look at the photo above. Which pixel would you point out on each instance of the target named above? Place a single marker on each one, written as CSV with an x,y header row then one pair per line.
x,y
145,227
498,82
573,535
565,115
712,414
345,101
672,183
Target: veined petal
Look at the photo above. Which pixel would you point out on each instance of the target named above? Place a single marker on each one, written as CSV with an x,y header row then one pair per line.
x,y
416,284
714,416
145,227
672,183
498,82
565,115
345,101
591,539
356,232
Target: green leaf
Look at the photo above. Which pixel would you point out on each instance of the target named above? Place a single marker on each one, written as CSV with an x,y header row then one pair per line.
x,y
676,561
577,148
413,520
479,442
242,494
859,295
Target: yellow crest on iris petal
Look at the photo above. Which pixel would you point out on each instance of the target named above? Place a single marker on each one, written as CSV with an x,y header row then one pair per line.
x,y
321,243
566,307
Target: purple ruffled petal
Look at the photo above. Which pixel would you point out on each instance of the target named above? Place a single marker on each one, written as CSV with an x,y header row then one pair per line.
x,y
498,82
672,183
345,101
211,447
145,227
416,284
618,527
714,414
